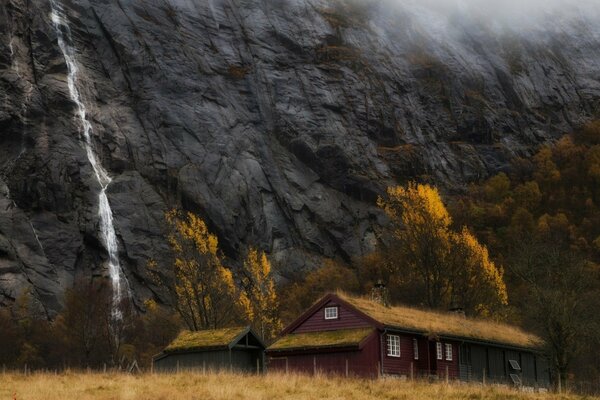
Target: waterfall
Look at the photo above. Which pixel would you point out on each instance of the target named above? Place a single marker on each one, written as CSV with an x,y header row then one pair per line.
x,y
13,60
120,286
213,13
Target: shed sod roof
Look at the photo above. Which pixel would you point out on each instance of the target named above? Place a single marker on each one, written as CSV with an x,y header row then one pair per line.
x,y
323,339
213,338
434,323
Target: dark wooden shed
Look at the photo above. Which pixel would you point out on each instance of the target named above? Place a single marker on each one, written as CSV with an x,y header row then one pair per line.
x,y
230,349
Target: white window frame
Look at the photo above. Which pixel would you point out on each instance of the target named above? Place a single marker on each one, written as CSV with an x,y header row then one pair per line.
x,y
448,352
393,346
331,312
439,352
416,349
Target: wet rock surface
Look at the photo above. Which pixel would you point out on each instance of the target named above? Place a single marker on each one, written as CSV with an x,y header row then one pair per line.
x,y
278,121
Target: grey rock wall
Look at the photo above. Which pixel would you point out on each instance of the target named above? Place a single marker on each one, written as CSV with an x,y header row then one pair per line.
x,y
279,121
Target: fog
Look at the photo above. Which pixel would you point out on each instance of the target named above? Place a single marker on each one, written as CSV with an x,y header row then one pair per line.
x,y
516,15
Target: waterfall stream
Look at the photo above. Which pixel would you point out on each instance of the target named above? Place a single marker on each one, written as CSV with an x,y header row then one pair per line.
x,y
13,60
120,286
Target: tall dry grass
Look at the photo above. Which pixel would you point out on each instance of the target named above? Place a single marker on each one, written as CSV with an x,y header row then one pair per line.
x,y
96,386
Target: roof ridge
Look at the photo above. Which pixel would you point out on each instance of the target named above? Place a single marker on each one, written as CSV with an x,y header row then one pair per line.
x,y
429,321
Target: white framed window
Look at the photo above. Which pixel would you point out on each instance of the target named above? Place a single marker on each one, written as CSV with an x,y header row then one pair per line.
x,y
448,352
393,345
438,351
416,348
331,313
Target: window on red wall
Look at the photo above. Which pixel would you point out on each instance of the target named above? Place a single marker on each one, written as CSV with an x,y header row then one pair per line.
x,y
448,352
438,350
416,348
331,313
393,345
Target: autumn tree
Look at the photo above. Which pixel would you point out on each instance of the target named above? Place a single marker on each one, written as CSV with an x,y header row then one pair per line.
x,y
449,266
84,325
475,282
9,339
153,330
542,219
260,303
202,289
35,333
559,298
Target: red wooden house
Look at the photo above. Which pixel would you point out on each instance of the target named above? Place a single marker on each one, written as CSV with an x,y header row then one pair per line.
x,y
347,335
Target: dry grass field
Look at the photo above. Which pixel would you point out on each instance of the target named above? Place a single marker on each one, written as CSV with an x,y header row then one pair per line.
x,y
83,386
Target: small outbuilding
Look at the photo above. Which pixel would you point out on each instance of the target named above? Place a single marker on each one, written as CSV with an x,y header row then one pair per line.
x,y
230,349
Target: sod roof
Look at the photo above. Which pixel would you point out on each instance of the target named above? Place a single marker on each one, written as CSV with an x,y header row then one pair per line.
x,y
323,339
432,323
213,338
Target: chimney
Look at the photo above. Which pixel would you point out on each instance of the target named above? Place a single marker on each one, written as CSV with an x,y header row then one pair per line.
x,y
457,310
379,293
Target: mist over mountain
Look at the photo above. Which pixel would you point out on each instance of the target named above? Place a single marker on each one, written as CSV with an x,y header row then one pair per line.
x,y
278,121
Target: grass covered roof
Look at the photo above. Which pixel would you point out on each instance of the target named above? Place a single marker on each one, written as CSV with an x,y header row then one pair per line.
x,y
323,339
443,324
198,340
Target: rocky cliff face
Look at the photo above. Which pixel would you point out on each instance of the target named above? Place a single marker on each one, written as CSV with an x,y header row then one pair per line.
x,y
279,121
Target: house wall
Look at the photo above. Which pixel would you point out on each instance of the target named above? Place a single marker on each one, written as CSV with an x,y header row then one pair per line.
x,y
528,369
241,360
402,365
363,363
542,371
496,365
439,367
479,364
493,361
346,319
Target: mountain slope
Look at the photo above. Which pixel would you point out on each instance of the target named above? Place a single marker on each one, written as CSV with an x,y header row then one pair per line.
x,y
277,121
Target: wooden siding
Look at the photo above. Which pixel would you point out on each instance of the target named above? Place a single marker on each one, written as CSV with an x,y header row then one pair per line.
x,y
479,364
402,365
440,366
496,365
493,361
528,369
542,371
219,360
363,363
346,319
423,363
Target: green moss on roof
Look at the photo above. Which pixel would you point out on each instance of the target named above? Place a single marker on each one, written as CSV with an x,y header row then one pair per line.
x,y
434,323
337,338
213,338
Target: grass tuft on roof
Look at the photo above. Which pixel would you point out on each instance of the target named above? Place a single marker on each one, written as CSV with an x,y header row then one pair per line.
x,y
433,323
197,340
337,338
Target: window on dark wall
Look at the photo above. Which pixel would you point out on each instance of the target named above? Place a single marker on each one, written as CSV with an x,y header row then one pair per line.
x,y
416,348
514,364
331,313
439,351
393,345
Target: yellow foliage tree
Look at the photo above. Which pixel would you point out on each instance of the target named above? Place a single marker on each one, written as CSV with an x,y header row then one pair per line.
x,y
421,226
259,302
202,289
546,172
476,283
450,266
